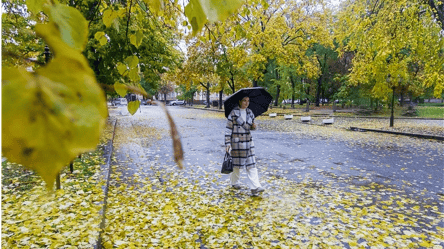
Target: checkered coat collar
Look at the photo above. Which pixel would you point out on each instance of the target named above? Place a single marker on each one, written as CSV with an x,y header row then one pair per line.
x,y
236,113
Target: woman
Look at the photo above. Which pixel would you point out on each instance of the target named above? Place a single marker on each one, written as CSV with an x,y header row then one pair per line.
x,y
238,139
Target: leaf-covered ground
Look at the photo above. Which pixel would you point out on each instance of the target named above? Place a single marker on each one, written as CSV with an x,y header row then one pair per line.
x,y
154,205
339,129
32,217
195,211
406,125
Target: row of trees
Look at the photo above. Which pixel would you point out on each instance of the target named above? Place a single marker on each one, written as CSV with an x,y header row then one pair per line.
x,y
305,49
297,50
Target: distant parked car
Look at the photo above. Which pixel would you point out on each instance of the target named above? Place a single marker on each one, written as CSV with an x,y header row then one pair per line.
x,y
146,102
177,102
121,101
286,101
299,101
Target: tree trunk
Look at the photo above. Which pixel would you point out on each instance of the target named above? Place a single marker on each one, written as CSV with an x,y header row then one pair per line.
x,y
318,90
208,95
278,88
220,99
234,86
438,11
292,90
322,97
402,99
392,118
278,91
254,83
165,98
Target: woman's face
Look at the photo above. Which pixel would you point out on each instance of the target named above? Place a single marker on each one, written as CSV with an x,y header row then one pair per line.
x,y
245,102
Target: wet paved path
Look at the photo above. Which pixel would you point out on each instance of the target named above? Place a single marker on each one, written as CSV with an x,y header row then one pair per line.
x,y
354,188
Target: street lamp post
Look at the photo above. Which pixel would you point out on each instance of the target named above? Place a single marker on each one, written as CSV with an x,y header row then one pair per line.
x,y
47,54
392,118
47,57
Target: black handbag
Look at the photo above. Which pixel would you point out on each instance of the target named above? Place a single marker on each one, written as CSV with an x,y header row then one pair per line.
x,y
227,165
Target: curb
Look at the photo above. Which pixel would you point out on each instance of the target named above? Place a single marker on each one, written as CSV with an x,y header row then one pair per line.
x,y
377,117
204,109
105,200
399,133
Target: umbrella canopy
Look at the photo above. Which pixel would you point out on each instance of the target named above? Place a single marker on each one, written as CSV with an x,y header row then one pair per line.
x,y
260,99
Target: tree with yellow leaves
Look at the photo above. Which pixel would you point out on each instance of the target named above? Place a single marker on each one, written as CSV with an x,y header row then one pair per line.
x,y
281,32
396,45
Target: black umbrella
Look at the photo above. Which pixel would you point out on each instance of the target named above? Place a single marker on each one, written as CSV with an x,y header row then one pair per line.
x,y
260,99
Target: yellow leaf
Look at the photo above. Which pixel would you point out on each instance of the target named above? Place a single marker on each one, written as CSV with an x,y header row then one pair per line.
x,y
132,61
120,89
136,39
121,68
108,17
50,117
426,244
108,245
121,12
196,16
197,11
155,5
100,36
134,75
71,24
352,243
47,126
133,106
35,6
217,10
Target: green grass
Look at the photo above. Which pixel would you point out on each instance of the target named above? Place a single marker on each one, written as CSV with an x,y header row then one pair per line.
x,y
432,104
430,112
23,179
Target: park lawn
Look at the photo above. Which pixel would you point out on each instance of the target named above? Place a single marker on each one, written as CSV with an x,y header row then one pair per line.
x,y
422,111
430,112
432,104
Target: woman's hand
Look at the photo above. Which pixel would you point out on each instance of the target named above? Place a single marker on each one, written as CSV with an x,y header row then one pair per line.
x,y
228,148
253,126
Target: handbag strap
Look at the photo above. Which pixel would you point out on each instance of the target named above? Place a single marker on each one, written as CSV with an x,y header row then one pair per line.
x,y
227,156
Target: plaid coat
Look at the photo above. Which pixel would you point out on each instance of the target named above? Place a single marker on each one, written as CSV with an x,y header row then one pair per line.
x,y
238,136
